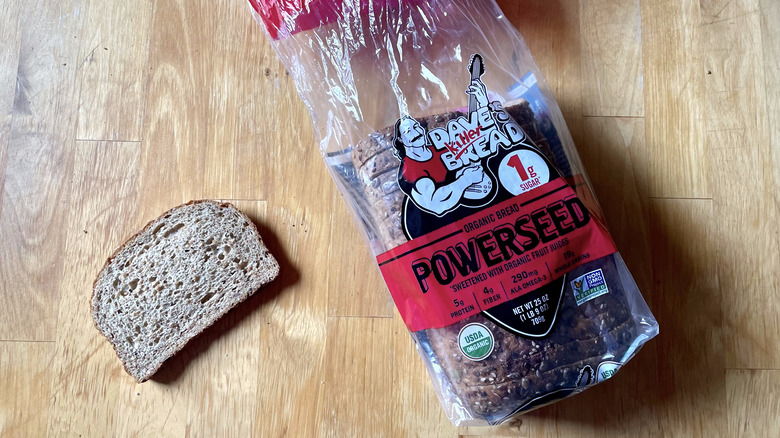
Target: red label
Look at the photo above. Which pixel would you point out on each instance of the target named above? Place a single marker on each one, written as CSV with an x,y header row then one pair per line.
x,y
495,255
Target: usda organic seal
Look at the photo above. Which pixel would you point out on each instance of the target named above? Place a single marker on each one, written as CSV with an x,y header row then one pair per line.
x,y
476,341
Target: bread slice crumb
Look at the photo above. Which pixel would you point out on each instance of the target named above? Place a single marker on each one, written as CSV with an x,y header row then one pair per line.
x,y
175,278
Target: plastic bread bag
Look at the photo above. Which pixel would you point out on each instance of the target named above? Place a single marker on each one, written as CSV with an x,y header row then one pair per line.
x,y
455,160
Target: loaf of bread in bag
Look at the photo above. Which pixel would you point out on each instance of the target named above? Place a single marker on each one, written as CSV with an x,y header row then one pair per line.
x,y
519,369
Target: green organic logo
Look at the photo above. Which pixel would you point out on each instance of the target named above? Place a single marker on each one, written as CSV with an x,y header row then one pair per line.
x,y
476,341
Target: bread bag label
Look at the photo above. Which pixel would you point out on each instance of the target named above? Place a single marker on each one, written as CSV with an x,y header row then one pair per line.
x,y
492,226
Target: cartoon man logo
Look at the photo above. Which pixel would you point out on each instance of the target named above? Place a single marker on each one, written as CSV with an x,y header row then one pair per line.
x,y
451,168
423,175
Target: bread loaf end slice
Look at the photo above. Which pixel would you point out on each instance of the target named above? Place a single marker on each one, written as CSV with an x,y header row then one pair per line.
x,y
175,278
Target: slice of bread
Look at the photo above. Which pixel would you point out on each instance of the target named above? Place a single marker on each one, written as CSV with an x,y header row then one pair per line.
x,y
174,278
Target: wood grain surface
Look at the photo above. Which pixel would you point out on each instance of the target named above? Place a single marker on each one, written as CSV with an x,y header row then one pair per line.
x,y
113,112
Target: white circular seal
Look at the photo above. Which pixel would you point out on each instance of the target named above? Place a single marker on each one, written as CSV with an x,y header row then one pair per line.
x,y
476,341
523,170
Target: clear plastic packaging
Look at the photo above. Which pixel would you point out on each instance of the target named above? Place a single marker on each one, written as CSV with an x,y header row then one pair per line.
x,y
394,85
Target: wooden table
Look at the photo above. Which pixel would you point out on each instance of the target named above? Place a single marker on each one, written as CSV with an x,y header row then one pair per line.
x,y
113,111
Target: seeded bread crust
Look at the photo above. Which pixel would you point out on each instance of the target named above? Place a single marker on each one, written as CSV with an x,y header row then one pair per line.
x,y
520,369
270,272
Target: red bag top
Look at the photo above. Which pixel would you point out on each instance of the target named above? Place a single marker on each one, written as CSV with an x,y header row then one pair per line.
x,y
283,18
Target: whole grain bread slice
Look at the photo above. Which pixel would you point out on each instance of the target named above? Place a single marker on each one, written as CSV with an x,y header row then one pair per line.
x,y
175,278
